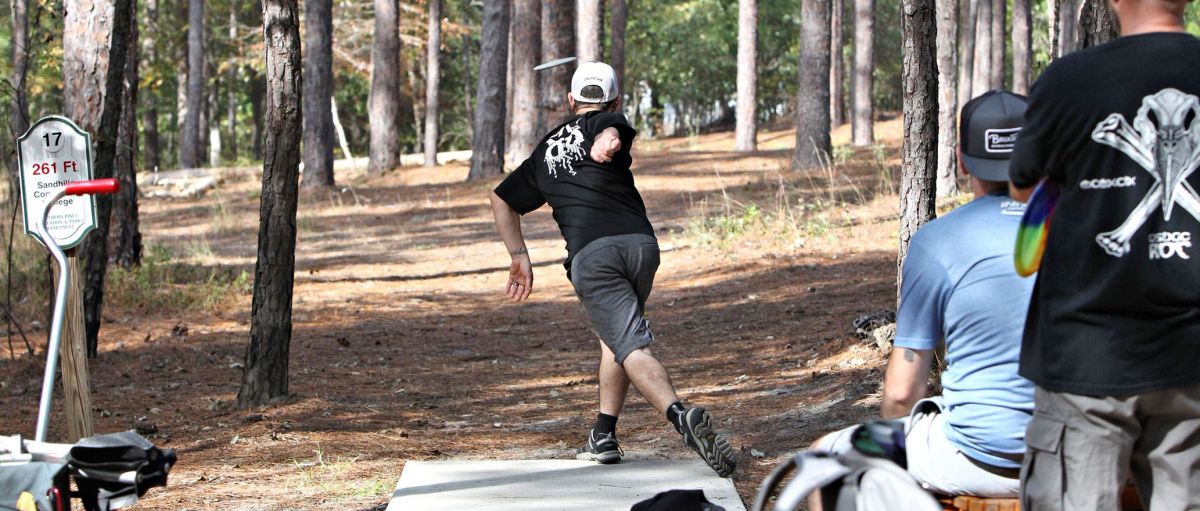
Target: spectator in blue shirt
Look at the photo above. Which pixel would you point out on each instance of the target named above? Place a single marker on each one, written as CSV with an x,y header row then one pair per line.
x,y
960,287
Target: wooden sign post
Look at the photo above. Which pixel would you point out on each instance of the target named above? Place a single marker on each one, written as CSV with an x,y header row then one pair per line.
x,y
51,154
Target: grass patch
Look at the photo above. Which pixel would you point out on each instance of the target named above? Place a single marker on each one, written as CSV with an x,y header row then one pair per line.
x,y
162,285
333,480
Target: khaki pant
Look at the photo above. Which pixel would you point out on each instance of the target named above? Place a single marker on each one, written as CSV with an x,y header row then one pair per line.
x,y
936,464
1082,448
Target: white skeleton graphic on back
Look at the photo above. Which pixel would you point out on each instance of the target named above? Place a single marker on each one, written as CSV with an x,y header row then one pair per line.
x,y
1164,139
564,148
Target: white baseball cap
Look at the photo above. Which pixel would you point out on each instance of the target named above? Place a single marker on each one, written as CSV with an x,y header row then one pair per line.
x,y
594,73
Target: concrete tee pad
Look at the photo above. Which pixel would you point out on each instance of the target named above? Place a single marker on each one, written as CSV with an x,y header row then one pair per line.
x,y
544,485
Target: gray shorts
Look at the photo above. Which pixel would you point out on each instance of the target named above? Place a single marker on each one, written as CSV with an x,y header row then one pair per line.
x,y
1081,448
613,277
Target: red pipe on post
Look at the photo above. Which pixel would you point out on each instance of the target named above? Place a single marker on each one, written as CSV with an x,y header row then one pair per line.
x,y
93,187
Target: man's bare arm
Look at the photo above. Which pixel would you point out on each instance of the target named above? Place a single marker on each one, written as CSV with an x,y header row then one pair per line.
x,y
508,224
906,381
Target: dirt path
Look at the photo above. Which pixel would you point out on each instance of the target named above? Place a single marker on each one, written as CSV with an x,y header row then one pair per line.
x,y
404,347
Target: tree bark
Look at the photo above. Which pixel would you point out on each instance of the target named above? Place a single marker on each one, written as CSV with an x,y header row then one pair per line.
x,y
191,146
746,131
433,77
981,79
558,41
18,114
96,34
231,94
128,239
919,150
526,53
947,52
589,25
151,158
1065,31
384,102
1022,42
812,107
837,64
318,89
966,49
487,143
999,43
617,24
258,92
1097,25
864,68
266,368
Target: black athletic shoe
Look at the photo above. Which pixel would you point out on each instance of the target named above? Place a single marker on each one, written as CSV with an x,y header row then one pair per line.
x,y
695,424
602,448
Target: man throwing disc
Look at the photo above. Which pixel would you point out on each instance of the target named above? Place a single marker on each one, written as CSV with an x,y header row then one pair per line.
x,y
581,168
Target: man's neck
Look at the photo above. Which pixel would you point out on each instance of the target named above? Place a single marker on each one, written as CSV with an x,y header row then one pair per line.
x,y
1147,22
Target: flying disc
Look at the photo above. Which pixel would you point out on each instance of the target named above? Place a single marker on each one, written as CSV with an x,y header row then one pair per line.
x,y
1035,225
552,63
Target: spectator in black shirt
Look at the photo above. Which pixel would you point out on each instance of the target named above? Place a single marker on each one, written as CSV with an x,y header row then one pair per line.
x,y
1112,339
582,170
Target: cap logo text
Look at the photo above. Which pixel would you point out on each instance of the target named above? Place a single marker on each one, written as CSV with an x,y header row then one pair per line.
x,y
1000,140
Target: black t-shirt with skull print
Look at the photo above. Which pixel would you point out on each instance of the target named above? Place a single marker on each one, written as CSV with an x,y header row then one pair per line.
x,y
1116,307
590,200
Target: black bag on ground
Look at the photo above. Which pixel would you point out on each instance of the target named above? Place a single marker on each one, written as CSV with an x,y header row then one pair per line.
x,y
112,471
677,500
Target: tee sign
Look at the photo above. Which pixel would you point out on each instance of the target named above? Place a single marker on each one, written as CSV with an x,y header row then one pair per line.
x,y
51,154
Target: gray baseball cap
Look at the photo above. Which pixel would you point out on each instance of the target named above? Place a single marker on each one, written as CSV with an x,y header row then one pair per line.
x,y
987,131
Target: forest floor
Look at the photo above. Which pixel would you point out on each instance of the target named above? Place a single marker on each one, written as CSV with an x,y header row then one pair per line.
x,y
405,348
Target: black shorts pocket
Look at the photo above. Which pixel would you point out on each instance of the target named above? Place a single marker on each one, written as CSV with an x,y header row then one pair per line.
x,y
1042,473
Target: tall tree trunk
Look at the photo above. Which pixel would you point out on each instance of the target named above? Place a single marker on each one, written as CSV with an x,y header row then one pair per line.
x,y
981,79
318,89
1097,25
433,77
128,238
620,16
92,90
210,119
558,41
18,114
1065,29
179,114
966,49
150,143
1022,41
384,107
526,53
258,93
487,143
589,25
837,64
947,52
232,75
191,147
812,107
999,46
266,368
919,152
747,77
862,116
